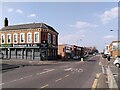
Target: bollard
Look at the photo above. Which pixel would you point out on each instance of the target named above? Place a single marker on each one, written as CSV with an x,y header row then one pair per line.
x,y
82,59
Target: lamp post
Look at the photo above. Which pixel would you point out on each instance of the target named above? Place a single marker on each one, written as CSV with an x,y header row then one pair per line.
x,y
118,47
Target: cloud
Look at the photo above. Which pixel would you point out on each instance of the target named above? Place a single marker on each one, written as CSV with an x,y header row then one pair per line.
x,y
83,25
108,37
10,10
109,15
32,15
19,11
71,38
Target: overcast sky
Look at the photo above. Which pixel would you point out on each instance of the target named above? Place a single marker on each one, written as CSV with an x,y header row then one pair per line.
x,y
81,23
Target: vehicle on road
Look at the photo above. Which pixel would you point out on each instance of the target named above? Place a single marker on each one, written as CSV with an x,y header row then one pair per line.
x,y
104,56
76,58
1,55
117,61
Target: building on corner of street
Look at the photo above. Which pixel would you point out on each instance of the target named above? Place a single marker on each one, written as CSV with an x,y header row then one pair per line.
x,y
29,41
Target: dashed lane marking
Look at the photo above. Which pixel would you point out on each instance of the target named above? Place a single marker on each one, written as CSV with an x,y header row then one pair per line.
x,y
66,75
45,72
68,69
45,86
27,76
103,71
58,80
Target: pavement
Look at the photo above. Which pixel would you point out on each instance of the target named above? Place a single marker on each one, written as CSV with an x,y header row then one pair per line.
x,y
110,77
16,63
10,64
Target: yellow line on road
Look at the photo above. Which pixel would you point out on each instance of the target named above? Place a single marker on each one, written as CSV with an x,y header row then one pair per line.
x,y
94,86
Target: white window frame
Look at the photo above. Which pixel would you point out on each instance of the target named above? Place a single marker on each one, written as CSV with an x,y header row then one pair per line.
x,y
16,38
3,37
34,37
49,38
7,39
23,37
54,39
30,37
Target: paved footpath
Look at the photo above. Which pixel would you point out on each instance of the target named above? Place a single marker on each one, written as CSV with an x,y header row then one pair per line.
x,y
110,71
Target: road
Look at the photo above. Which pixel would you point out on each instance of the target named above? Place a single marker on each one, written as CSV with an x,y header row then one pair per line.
x,y
69,74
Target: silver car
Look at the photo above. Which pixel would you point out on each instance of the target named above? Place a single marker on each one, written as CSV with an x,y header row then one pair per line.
x,y
117,61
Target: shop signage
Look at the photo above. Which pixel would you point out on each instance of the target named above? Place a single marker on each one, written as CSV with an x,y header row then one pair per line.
x,y
19,45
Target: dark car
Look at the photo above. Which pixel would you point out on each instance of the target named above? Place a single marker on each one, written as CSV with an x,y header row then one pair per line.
x,y
1,55
104,56
76,58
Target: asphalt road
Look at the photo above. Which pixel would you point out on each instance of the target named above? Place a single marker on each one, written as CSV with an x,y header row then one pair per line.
x,y
60,75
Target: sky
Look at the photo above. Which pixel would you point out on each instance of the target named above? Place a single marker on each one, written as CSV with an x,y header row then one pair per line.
x,y
80,23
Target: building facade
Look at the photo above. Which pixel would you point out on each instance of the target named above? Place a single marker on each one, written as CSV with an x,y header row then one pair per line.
x,y
69,51
114,48
65,51
29,41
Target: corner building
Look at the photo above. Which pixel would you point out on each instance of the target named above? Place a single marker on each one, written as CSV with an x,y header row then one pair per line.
x,y
29,41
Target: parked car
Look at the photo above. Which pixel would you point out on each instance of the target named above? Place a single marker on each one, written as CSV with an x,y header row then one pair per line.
x,y
76,58
117,61
104,56
1,55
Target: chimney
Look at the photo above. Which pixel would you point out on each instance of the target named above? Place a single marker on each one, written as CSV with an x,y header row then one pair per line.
x,y
6,22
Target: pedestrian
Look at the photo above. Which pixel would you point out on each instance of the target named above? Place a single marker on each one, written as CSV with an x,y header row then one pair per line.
x,y
108,58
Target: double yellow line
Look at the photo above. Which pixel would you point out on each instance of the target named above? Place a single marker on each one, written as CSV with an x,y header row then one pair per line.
x,y
94,86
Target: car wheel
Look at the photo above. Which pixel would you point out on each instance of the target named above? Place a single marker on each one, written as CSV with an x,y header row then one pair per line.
x,y
117,65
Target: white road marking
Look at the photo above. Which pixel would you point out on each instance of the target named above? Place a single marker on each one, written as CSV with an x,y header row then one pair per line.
x,y
2,84
68,69
100,63
103,69
14,80
45,72
58,79
46,69
45,86
66,75
27,76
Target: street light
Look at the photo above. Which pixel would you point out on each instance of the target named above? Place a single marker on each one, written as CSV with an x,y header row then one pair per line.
x,y
114,30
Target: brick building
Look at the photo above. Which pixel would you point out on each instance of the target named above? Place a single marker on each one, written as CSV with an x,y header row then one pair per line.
x,y
69,51
29,41
114,48
65,51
